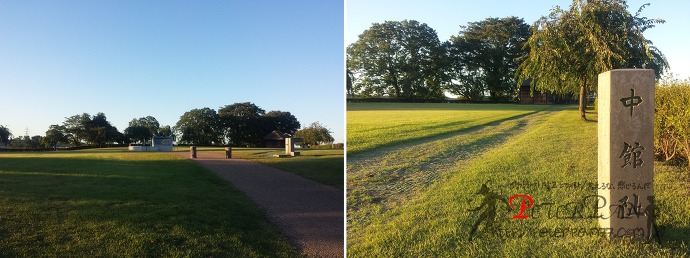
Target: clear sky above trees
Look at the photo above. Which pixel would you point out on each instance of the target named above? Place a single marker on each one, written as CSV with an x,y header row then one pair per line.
x,y
445,16
131,59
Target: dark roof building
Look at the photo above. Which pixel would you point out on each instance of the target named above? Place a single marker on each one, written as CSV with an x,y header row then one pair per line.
x,y
536,97
275,139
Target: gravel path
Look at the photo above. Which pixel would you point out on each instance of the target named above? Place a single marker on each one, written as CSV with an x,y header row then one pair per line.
x,y
310,214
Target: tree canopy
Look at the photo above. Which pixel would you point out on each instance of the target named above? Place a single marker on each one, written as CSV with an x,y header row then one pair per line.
x,y
484,58
241,124
200,126
142,129
93,130
5,135
281,121
401,59
314,134
56,134
569,48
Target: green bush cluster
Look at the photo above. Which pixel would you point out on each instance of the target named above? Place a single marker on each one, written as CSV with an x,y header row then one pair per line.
x,y
672,120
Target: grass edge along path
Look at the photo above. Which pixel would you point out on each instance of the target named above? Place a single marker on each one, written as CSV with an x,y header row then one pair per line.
x,y
325,166
126,204
561,149
309,213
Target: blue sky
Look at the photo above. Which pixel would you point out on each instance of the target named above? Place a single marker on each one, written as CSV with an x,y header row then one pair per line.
x,y
130,59
445,16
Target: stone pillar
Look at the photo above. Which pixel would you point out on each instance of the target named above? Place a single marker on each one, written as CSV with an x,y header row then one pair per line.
x,y
289,147
626,153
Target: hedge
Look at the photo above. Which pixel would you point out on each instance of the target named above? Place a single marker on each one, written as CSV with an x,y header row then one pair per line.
x,y
672,120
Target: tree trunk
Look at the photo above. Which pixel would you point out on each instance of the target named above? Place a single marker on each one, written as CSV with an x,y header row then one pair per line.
x,y
583,101
394,77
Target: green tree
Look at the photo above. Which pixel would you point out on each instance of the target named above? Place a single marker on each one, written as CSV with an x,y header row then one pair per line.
x,y
243,124
568,49
281,121
402,59
348,83
75,128
5,135
200,126
314,134
94,130
55,134
142,129
26,142
165,131
100,131
484,58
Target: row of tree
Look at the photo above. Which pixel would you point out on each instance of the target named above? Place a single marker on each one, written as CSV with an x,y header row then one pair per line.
x,y
239,124
562,52
405,59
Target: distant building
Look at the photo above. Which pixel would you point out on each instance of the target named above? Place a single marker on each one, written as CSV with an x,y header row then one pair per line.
x,y
526,97
275,139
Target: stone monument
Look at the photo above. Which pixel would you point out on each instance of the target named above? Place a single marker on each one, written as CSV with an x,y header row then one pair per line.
x,y
290,146
626,153
158,143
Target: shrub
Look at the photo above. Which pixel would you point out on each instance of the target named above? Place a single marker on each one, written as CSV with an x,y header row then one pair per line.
x,y
672,119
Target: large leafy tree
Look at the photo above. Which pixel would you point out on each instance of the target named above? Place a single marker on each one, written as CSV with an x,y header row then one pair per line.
x,y
165,131
484,58
142,129
569,48
5,135
243,124
55,134
281,121
200,126
100,131
314,134
94,130
75,128
348,83
402,59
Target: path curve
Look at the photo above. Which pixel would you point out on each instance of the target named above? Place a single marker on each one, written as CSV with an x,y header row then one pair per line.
x,y
309,213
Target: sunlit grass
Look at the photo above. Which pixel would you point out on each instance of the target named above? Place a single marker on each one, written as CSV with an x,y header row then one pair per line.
x,y
561,149
322,165
373,125
117,203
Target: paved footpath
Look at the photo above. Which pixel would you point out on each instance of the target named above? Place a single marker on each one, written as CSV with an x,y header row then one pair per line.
x,y
310,214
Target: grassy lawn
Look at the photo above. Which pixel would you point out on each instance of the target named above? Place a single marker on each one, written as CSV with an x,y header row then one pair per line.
x,y
555,147
374,125
116,203
321,165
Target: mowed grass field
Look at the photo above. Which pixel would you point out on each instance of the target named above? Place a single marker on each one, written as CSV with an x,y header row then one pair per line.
x,y
395,209
374,125
114,203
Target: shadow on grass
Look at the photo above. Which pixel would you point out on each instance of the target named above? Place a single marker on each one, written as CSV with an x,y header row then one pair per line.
x,y
77,206
414,140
